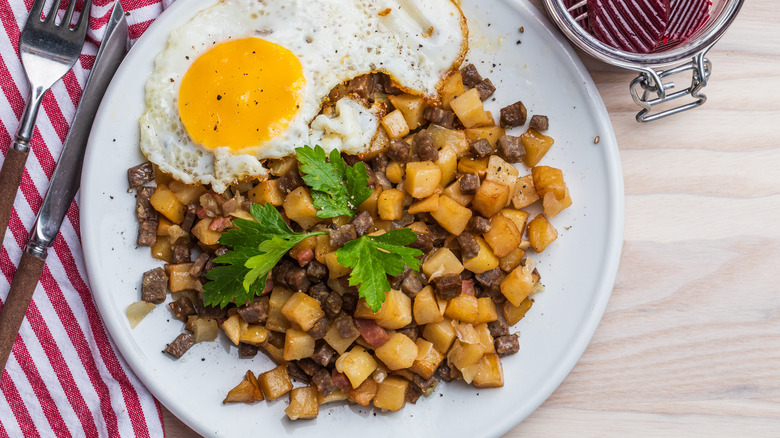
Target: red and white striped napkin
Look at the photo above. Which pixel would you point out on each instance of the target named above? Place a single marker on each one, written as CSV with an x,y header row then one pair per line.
x,y
64,377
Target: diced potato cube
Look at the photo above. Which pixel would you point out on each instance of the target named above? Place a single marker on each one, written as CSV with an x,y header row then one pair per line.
x,y
449,138
205,330
452,88
431,203
485,338
464,308
395,172
548,180
396,311
161,250
202,232
299,207
426,308
276,320
468,107
490,133
453,191
511,260
322,247
303,245
412,108
395,124
275,383
370,204
391,393
490,373
477,166
398,352
164,201
462,355
502,172
536,146
160,177
525,192
179,278
335,269
519,217
486,310
364,393
553,206
163,225
267,192
422,178
304,404
254,334
428,359
485,259
138,311
452,216
281,166
233,327
448,163
297,344
186,193
334,396
440,334
503,235
357,365
334,339
390,204
244,392
490,198
513,314
302,310
518,285
441,262
541,233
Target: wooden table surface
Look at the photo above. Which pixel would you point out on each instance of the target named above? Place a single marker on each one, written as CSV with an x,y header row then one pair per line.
x,y
690,341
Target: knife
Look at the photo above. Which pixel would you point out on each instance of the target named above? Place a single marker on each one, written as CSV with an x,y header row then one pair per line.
x,y
64,183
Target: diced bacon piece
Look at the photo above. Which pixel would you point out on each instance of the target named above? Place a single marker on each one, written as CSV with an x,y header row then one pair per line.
x,y
375,335
341,380
305,257
467,288
220,223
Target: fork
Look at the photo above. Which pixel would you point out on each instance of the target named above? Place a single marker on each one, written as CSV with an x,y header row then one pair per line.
x,y
48,50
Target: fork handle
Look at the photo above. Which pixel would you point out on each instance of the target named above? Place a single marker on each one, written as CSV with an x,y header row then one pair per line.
x,y
12,314
10,177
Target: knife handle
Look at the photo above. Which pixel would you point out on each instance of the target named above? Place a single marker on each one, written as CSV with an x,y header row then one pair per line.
x,y
12,314
10,177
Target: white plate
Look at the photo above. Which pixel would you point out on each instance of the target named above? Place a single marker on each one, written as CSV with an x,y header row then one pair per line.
x,y
578,269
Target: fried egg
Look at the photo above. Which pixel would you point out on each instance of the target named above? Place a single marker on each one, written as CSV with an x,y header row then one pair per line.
x,y
244,80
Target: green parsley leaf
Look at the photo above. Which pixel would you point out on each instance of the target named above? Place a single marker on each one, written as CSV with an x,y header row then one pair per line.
x,y
373,258
337,189
257,248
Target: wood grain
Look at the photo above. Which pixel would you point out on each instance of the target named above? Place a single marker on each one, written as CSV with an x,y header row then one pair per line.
x,y
690,342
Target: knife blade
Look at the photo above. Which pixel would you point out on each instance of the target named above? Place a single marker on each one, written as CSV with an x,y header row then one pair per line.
x,y
64,183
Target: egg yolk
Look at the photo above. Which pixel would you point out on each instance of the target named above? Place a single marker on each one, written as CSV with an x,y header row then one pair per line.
x,y
240,93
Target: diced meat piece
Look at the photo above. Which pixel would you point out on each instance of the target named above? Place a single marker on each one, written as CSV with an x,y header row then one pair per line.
x,y
470,75
199,265
412,332
362,223
323,354
182,309
254,312
373,334
405,220
381,179
143,205
308,366
189,218
439,116
190,323
305,257
481,147
211,312
412,394
147,233
247,350
180,345
320,292
290,181
423,383
324,382
332,304
389,85
320,328
180,253
510,148
424,242
220,223
363,86
296,373
540,123
513,115
411,285
468,245
399,150
275,338
154,286
200,212
445,372
269,286
380,162
438,233
489,278
395,281
479,224
498,327
342,235
467,288
230,206
494,292
349,302
485,89
210,203
506,345
346,326
469,184
297,280
424,147
341,381
222,250
140,174
316,270
279,272
448,286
